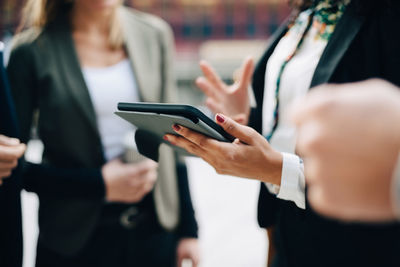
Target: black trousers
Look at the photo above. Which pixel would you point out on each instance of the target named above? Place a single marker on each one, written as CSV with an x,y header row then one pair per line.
x,y
112,245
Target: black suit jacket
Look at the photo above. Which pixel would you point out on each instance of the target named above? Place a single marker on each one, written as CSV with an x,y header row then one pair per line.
x,y
39,179
363,46
46,76
10,204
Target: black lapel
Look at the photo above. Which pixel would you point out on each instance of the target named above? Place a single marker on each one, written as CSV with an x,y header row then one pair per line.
x,y
345,32
71,70
259,73
272,43
8,122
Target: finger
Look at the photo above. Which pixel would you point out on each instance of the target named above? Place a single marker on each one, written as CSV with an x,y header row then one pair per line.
x,y
150,177
11,153
8,141
241,119
116,161
143,190
246,72
146,187
185,144
137,170
212,75
199,139
213,105
244,133
8,165
150,164
5,174
206,87
144,166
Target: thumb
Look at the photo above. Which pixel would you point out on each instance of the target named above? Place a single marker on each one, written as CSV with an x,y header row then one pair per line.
x,y
7,141
20,150
243,133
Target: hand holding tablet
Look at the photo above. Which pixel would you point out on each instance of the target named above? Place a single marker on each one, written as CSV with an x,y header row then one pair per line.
x,y
158,119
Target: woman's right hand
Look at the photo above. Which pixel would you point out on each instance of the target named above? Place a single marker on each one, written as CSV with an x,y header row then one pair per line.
x,y
129,183
231,100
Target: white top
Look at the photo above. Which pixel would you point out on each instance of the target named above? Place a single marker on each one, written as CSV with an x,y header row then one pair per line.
x,y
295,83
107,86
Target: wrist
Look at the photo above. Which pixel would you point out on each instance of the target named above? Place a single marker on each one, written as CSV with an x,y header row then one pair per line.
x,y
274,160
107,181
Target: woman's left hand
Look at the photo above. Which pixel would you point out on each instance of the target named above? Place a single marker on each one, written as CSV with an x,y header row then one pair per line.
x,y
249,156
188,248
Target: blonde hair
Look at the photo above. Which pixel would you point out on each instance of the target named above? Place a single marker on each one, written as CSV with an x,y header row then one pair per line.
x,y
39,13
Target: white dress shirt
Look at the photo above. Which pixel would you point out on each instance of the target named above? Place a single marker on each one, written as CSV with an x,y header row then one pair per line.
x,y
295,83
108,86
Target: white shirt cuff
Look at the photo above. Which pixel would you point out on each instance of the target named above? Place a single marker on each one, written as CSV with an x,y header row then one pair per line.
x,y
293,181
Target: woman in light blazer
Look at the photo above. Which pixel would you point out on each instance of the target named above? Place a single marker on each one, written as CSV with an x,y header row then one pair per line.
x,y
70,68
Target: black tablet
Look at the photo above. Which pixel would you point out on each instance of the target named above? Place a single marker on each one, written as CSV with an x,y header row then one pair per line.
x,y
158,119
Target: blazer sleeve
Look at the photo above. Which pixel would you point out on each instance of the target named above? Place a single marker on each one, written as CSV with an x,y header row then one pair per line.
x,y
188,225
50,181
45,180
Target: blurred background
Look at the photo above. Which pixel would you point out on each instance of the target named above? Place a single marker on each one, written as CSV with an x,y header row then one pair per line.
x,y
222,32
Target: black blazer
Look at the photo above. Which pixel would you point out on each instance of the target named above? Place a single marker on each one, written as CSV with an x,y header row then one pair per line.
x,y
38,176
45,76
10,204
363,46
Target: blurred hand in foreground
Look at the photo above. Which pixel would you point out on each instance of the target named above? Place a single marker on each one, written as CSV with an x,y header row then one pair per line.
x,y
349,137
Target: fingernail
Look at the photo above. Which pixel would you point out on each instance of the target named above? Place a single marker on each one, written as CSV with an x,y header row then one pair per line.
x,y
176,127
220,118
165,138
14,141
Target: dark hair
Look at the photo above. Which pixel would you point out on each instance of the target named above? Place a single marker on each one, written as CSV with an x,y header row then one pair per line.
x,y
363,6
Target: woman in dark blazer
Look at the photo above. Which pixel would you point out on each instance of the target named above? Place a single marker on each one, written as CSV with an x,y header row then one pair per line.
x,y
94,209
361,43
10,203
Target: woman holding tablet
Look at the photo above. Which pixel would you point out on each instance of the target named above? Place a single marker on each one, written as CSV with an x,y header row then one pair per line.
x,y
76,61
328,41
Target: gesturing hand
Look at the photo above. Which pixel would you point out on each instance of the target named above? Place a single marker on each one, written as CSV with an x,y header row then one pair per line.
x,y
232,100
10,151
129,183
249,156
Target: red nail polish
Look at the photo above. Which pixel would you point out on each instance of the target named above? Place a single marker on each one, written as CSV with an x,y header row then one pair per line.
x,y
220,118
165,138
176,127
